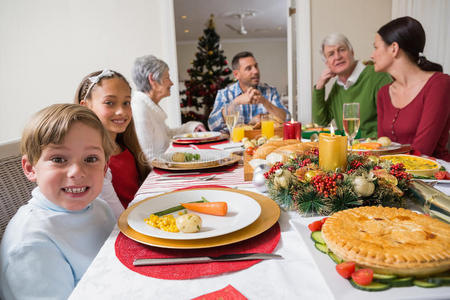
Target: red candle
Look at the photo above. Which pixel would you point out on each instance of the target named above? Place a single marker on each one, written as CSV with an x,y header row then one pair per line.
x,y
292,130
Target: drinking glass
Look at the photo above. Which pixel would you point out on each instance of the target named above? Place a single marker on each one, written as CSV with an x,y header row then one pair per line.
x,y
238,130
231,115
267,126
351,120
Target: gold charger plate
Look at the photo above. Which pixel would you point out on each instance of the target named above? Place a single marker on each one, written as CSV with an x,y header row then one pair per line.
x,y
270,213
233,158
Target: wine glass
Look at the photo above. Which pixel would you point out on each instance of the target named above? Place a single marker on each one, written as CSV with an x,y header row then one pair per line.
x,y
231,115
351,120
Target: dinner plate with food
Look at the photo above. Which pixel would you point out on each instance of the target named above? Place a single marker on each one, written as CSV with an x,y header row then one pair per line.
x,y
192,159
201,135
382,144
194,214
379,253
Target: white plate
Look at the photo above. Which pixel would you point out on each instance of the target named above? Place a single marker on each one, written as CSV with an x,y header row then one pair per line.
x,y
242,211
201,135
392,146
342,289
205,156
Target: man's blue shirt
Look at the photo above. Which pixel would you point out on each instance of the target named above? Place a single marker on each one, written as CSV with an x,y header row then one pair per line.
x,y
248,111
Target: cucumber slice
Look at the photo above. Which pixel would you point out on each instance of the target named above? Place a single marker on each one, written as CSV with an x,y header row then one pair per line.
x,y
402,281
373,287
316,236
321,247
425,284
336,259
383,277
441,280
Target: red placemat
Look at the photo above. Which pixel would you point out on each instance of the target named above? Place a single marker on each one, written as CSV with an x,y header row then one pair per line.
x,y
227,293
128,250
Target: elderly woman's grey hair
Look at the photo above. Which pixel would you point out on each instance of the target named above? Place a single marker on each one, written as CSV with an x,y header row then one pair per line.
x,y
145,65
334,39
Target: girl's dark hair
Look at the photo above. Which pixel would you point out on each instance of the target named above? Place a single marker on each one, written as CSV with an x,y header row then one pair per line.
x,y
408,33
128,138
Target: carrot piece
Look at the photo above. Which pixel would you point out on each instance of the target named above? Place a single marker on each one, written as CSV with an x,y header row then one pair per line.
x,y
210,208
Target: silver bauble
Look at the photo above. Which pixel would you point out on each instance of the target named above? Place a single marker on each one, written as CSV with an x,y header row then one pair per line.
x,y
259,181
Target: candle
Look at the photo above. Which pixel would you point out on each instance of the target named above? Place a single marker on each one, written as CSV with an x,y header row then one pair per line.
x,y
332,152
292,130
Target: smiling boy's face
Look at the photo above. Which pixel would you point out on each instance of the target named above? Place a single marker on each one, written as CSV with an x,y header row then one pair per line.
x,y
70,174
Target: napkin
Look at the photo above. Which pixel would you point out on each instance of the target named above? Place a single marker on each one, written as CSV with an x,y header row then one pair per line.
x,y
227,293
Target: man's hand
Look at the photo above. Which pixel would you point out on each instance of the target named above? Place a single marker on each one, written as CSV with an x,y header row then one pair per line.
x,y
251,96
324,78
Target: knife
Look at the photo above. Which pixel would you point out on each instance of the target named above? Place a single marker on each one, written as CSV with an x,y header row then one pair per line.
x,y
203,259
180,174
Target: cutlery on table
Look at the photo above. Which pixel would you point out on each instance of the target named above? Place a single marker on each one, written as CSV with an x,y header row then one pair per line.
x,y
204,259
209,177
180,174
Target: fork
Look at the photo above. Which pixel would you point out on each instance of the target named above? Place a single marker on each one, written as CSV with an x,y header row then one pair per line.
x,y
204,178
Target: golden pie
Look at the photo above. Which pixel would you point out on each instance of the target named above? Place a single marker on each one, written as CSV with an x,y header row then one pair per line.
x,y
389,240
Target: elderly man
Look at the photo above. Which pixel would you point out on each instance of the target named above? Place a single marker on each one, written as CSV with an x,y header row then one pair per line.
x,y
252,98
356,82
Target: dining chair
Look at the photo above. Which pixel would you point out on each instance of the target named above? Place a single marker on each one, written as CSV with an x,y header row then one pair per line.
x,y
15,188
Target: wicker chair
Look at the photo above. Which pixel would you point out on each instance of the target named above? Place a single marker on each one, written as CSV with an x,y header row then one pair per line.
x,y
15,189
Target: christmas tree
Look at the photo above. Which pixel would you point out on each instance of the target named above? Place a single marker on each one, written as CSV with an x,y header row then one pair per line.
x,y
208,74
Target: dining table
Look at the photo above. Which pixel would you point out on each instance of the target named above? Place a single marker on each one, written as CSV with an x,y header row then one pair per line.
x,y
300,274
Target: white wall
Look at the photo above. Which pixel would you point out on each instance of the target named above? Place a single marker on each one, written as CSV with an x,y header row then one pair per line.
x,y
271,55
48,46
359,20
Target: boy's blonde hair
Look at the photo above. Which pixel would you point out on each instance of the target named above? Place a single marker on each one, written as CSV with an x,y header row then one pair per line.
x,y
50,125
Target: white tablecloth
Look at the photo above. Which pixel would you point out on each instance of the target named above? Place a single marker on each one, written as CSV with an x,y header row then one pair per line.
x,y
294,277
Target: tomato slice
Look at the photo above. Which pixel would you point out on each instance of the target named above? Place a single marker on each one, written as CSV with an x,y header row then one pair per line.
x,y
323,220
363,276
442,175
315,226
346,269
250,151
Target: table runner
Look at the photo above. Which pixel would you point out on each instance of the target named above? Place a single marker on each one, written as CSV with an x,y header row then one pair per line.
x,y
229,176
128,250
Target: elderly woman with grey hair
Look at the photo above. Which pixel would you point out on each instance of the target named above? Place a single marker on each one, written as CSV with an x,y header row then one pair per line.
x,y
151,76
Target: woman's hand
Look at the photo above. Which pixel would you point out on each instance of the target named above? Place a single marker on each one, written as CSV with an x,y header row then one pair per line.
x,y
200,128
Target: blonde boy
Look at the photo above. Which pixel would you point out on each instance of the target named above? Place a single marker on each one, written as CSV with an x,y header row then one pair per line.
x,y
50,242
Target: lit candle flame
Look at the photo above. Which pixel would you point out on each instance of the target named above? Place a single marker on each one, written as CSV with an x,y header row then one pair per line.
x,y
292,120
332,130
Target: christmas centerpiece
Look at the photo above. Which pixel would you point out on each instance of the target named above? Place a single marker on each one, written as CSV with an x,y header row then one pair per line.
x,y
363,180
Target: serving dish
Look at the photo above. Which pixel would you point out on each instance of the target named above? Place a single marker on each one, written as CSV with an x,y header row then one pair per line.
x,y
416,165
342,289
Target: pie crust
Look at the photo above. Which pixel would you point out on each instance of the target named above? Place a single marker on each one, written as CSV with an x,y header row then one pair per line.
x,y
389,240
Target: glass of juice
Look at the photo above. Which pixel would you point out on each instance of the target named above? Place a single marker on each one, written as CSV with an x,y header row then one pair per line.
x,y
238,130
267,126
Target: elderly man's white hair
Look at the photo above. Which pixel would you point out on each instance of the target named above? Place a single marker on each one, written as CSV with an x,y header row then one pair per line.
x,y
335,39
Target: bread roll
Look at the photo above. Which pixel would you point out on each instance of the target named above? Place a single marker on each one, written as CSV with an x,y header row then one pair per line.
x,y
264,150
